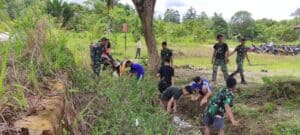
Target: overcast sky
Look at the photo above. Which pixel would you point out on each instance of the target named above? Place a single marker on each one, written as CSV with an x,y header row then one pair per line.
x,y
273,9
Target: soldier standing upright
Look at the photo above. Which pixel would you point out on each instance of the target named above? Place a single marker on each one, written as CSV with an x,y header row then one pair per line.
x,y
241,55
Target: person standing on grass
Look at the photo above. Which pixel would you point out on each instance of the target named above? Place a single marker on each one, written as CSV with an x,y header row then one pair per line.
x,y
96,51
220,58
166,53
203,88
219,104
166,76
170,96
241,51
135,69
138,49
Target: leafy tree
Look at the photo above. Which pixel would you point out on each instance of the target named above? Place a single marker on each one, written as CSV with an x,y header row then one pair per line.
x,y
296,13
242,23
203,16
172,15
10,8
145,9
61,10
191,14
261,29
219,25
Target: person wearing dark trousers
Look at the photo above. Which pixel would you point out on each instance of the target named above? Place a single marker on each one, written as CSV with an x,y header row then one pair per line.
x,y
166,76
219,105
241,51
138,49
171,95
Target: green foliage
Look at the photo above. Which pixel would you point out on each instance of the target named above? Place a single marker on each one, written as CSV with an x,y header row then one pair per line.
x,y
242,24
191,14
172,15
281,87
287,128
219,25
56,55
246,111
269,107
3,71
130,104
60,9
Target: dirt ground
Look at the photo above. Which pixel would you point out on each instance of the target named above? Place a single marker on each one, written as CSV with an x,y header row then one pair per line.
x,y
248,125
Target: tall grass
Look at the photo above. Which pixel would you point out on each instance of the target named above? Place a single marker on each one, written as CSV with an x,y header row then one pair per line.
x,y
132,108
3,71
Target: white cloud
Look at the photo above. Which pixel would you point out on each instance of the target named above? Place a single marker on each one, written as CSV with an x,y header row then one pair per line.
x,y
273,9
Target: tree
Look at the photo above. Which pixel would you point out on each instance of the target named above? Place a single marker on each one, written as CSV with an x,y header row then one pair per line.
x,y
296,13
191,14
203,16
145,9
242,23
219,25
172,15
61,10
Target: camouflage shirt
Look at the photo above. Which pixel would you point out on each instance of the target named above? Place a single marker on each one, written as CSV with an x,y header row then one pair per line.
x,y
241,53
96,51
166,54
216,105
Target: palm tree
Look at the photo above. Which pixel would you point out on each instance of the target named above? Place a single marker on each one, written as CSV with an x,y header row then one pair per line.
x,y
61,10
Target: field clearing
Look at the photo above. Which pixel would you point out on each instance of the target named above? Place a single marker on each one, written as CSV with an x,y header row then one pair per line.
x,y
251,114
189,54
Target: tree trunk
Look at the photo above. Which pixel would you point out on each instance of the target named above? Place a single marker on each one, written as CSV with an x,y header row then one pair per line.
x,y
145,9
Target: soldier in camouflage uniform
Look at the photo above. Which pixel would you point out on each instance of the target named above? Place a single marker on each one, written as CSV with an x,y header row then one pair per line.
x,y
241,55
219,104
220,58
96,50
166,54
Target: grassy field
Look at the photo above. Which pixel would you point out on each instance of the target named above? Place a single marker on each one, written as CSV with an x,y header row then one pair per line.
x,y
253,108
195,54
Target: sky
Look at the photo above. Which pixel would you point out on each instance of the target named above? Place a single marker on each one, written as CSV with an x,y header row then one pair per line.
x,y
272,9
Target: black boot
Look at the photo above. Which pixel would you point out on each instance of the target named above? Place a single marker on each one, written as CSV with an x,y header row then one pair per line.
x,y
243,81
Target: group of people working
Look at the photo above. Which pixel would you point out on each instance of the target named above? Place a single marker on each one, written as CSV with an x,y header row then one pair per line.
x,y
200,88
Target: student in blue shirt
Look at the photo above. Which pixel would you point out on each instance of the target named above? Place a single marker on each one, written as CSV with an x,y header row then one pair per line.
x,y
137,69
203,88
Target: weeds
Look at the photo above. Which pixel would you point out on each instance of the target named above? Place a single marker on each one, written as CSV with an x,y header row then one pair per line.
x,y
3,72
280,87
130,102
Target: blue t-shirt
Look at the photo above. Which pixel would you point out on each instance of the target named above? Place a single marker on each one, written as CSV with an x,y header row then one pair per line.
x,y
194,86
137,69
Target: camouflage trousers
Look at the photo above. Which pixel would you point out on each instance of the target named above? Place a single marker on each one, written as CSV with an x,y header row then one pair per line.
x,y
97,68
217,63
240,69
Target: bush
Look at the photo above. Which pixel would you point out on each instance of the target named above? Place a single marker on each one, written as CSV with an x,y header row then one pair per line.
x,y
269,107
133,108
281,87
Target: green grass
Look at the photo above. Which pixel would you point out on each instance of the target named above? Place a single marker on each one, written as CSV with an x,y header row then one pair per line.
x,y
3,70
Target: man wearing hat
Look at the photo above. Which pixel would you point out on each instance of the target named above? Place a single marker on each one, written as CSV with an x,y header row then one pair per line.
x,y
241,51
